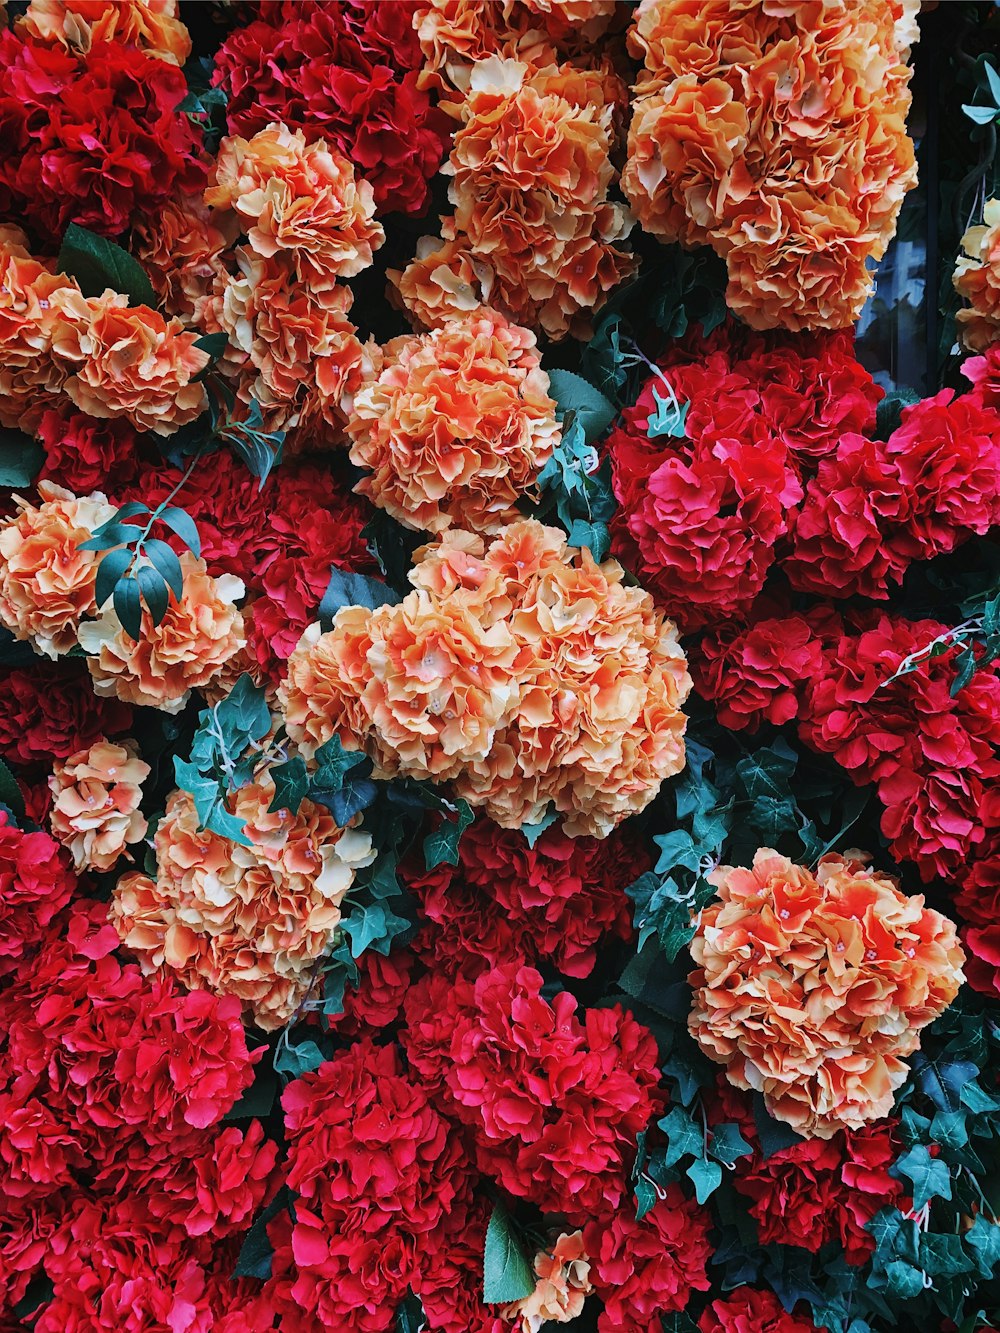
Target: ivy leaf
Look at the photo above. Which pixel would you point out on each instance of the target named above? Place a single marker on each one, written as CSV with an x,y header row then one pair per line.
x,y
983,1238
668,419
335,762
684,1137
291,782
294,1061
575,394
532,832
372,926
410,1315
645,1197
594,536
767,772
346,589
903,1282
98,263
727,1144
507,1275
928,1175
209,803
10,793
942,1079
943,1256
21,458
774,1135
679,1323
706,1177
441,844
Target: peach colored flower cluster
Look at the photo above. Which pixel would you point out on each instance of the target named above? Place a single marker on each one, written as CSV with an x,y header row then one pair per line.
x,y
150,25
813,988
775,133
522,672
245,921
977,280
454,34
47,584
454,424
111,359
196,639
535,233
95,803
563,1284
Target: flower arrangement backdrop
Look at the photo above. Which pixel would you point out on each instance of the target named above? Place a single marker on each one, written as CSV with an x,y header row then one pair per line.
x,y
499,623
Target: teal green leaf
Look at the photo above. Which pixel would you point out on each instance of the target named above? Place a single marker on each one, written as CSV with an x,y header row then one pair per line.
x,y
507,1275
21,458
575,394
928,1175
97,263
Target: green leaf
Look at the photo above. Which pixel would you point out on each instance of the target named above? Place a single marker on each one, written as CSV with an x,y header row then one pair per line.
x,y
594,536
684,1137
258,1099
256,1251
334,762
98,263
165,560
942,1079
346,589
410,1316
179,521
532,832
727,1144
774,1135
768,771
575,394
10,793
21,458
154,592
943,1256
928,1175
679,1323
949,1129
645,1197
214,344
209,802
372,925
983,1239
109,571
981,115
441,844
993,79
294,1061
128,605
706,1177
507,1275
902,1281
977,1099
291,782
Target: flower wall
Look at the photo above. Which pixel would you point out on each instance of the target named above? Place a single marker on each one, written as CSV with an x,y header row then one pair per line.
x,y
500,715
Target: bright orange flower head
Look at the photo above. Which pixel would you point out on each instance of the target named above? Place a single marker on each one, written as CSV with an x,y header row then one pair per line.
x,y
531,170
528,676
181,248
246,921
188,648
776,134
812,989
95,803
150,25
47,584
456,426
977,279
128,361
302,199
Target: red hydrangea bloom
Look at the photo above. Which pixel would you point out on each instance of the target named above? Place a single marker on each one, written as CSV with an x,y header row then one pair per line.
x,y
757,674
36,883
747,1310
931,755
85,454
822,1189
450,1277
839,541
947,452
554,1100
377,999
984,373
642,1269
431,1009
568,894
347,73
49,711
95,139
468,930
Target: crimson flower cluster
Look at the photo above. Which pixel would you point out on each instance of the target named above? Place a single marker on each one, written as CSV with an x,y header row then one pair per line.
x,y
347,74
775,466
94,138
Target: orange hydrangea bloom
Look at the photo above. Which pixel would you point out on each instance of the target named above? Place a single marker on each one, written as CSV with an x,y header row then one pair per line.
x,y
46,581
777,135
531,170
246,921
151,25
526,674
189,647
456,426
30,377
128,361
301,199
977,279
813,988
95,803
182,248
562,1285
